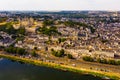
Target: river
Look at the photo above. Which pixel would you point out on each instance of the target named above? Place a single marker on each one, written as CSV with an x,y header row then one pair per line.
x,y
11,70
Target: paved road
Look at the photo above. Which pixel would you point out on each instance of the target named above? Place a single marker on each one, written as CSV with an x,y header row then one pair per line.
x,y
84,64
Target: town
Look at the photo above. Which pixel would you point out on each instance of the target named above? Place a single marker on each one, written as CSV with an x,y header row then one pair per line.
x,y
78,33
80,40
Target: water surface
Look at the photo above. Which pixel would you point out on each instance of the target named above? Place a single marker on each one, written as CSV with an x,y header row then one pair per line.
x,y
10,70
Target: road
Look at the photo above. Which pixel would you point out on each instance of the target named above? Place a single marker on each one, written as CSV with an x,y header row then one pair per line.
x,y
79,64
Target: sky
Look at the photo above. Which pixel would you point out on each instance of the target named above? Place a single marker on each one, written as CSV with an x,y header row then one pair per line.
x,y
53,5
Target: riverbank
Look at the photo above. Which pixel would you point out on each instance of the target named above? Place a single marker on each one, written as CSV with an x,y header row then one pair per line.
x,y
115,76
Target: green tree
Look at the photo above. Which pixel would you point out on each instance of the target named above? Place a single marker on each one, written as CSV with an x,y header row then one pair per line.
x,y
49,31
118,62
21,31
20,51
112,62
104,61
48,22
88,58
69,56
33,53
59,53
61,40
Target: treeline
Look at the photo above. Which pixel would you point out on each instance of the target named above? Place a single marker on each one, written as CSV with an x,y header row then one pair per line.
x,y
103,61
8,28
3,19
61,53
49,31
48,23
15,50
72,24
20,51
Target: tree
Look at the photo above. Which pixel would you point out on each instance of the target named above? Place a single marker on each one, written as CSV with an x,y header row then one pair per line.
x,y
15,50
88,58
92,29
104,61
21,31
99,60
112,62
48,23
2,19
62,52
118,62
49,31
58,53
69,56
33,53
20,51
61,40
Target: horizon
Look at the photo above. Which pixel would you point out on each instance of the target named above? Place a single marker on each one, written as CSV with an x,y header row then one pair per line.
x,y
58,10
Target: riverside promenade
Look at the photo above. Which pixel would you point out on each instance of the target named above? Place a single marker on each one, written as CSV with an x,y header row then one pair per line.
x,y
68,67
